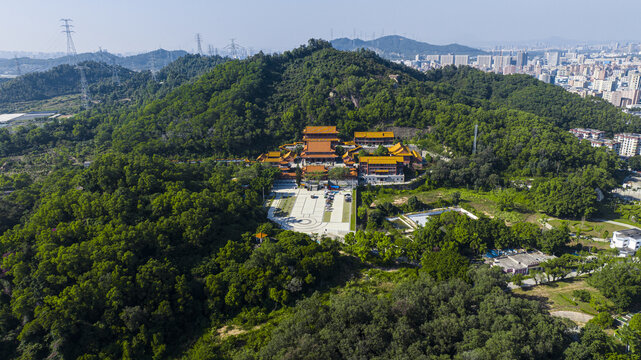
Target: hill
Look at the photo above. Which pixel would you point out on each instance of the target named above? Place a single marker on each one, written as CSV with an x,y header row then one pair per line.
x,y
398,47
140,256
48,90
137,62
61,80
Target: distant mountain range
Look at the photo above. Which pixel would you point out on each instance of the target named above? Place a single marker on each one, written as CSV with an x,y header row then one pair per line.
x,y
146,61
398,47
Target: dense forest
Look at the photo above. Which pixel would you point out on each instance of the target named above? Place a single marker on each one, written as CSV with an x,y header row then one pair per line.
x,y
144,255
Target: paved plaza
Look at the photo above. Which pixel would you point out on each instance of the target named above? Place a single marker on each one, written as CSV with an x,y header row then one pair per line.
x,y
307,212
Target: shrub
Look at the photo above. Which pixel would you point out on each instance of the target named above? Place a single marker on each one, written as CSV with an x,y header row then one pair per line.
x,y
582,295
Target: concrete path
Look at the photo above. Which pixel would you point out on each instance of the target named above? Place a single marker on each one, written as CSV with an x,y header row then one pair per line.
x,y
617,223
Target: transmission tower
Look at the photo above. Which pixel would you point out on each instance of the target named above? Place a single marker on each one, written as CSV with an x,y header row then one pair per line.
x,y
73,59
210,50
199,43
18,70
153,66
114,72
234,49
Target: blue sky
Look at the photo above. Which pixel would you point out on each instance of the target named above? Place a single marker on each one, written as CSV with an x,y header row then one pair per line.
x,y
139,25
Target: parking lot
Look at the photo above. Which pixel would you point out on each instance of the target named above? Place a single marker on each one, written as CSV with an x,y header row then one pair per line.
x,y
313,212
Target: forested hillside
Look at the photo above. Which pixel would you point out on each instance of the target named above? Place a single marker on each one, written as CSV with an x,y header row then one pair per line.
x,y
143,255
61,80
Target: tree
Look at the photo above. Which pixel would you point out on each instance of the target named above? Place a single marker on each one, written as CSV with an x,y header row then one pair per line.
x,y
338,173
381,151
456,197
445,264
299,175
603,319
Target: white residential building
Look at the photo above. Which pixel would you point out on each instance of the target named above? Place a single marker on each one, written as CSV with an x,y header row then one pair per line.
x,y
629,143
626,240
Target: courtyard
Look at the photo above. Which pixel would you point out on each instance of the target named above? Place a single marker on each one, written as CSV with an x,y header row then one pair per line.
x,y
308,212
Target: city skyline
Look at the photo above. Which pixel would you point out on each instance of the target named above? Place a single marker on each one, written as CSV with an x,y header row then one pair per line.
x,y
125,27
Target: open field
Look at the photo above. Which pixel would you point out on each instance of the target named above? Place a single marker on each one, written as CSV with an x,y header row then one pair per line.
x,y
558,296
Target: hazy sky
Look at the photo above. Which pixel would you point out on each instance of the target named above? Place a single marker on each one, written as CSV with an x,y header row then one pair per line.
x,y
138,25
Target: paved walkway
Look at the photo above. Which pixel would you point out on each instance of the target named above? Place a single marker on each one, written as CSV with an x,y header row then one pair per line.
x,y
617,223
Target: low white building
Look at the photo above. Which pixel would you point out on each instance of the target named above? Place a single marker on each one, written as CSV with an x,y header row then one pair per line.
x,y
626,241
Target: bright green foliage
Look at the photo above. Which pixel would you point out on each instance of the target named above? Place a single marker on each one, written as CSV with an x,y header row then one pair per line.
x,y
603,319
421,319
619,282
594,344
124,259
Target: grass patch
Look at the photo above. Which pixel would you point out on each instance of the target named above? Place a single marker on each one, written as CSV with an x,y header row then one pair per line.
x,y
558,296
595,229
352,218
285,206
327,216
347,206
482,201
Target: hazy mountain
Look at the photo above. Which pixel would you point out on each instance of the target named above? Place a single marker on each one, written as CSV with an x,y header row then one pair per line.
x,y
145,61
397,47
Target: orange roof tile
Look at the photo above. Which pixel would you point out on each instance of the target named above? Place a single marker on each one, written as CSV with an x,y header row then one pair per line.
x,y
315,169
381,159
320,130
319,147
374,134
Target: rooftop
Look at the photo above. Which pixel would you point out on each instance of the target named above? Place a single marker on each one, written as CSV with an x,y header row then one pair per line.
x,y
633,233
319,147
381,160
374,134
315,169
399,149
320,130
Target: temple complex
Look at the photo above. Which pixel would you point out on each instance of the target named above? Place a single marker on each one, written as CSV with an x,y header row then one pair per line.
x,y
317,155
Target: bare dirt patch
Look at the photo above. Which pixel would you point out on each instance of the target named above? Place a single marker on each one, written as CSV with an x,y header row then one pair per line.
x,y
577,317
400,201
231,330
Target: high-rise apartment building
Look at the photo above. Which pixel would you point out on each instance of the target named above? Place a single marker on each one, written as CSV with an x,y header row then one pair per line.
x,y
447,60
634,81
552,58
461,60
484,61
521,59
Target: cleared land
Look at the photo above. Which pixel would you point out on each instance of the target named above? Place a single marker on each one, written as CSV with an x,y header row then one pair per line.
x,y
558,297
591,228
482,201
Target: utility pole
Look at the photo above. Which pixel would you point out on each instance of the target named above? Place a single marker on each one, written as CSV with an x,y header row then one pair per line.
x,y
199,43
73,60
